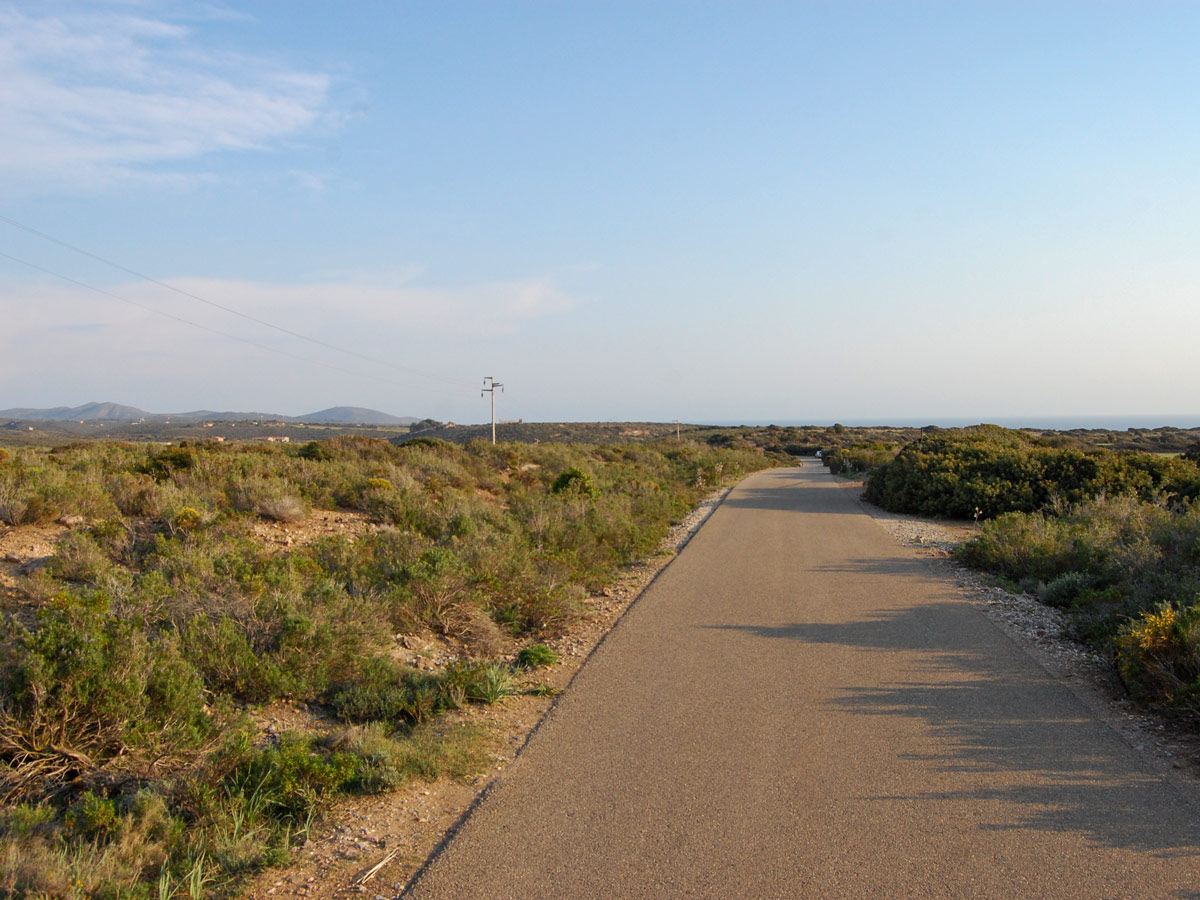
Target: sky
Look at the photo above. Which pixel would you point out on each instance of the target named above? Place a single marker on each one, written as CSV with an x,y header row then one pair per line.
x,y
696,211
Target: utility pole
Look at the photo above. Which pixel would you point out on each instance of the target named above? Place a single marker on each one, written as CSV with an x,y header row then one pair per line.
x,y
489,387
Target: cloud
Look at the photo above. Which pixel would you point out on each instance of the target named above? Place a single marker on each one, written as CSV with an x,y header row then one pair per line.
x,y
69,335
91,98
368,305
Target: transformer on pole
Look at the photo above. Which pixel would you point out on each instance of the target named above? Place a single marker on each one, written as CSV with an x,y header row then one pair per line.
x,y
489,387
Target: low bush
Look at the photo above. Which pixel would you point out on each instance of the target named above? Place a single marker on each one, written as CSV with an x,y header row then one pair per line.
x,y
382,692
1158,656
89,699
1064,590
575,482
858,458
1127,572
386,692
536,656
986,471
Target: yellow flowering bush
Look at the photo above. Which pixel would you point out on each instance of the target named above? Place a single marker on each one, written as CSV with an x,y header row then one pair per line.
x,y
1158,656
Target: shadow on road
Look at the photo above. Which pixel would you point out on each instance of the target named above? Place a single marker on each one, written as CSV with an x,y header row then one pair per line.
x,y
1029,741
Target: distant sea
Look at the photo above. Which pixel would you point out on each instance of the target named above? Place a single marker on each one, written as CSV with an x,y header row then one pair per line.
x,y
1049,423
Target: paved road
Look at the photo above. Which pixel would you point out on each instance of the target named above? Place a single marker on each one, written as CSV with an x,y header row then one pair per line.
x,y
800,708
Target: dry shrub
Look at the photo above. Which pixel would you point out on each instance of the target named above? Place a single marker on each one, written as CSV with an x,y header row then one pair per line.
x,y
448,606
89,699
480,633
289,508
136,494
111,844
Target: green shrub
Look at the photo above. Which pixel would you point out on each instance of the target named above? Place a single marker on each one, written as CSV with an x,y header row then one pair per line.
x,y
92,817
293,780
858,458
85,691
426,443
386,692
576,483
222,651
380,693
314,451
986,471
165,463
1064,590
536,656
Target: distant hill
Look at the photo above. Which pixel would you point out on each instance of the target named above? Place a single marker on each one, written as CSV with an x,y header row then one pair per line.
x,y
212,415
353,415
115,412
89,412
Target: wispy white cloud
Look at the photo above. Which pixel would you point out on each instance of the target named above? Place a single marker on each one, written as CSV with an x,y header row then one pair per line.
x,y
89,98
370,305
64,334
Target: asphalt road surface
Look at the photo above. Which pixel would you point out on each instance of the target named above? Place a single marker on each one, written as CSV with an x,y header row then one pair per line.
x,y
799,707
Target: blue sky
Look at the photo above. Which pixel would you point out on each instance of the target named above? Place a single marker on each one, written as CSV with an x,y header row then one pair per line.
x,y
655,210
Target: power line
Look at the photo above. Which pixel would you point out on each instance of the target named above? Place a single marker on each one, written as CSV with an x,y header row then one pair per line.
x,y
170,287
216,331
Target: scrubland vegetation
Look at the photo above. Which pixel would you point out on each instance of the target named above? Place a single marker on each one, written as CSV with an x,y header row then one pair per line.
x,y
1112,538
134,658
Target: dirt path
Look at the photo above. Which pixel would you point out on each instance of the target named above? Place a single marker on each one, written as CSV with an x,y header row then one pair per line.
x,y
798,707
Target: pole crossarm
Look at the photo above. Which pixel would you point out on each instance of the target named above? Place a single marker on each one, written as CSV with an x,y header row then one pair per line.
x,y
489,387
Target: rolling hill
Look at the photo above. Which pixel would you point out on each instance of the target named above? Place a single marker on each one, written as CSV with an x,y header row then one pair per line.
x,y
116,412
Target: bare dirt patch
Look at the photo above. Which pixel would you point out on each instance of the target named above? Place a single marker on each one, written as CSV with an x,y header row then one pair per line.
x,y
321,524
22,548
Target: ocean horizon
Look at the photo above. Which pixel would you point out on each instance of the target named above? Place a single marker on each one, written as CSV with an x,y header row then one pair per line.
x,y
1048,423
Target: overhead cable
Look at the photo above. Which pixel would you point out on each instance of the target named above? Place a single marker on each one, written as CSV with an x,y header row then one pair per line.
x,y
216,331
236,312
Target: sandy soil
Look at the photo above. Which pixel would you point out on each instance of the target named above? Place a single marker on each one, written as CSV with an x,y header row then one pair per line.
x,y
22,550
